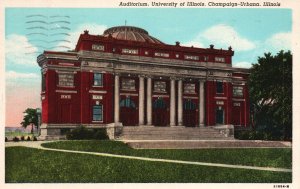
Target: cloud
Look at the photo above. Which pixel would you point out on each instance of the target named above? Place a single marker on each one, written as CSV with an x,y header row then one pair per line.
x,y
280,41
194,43
12,75
19,51
242,64
223,36
94,29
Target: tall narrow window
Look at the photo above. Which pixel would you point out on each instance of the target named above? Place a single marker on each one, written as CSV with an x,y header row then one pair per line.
x,y
219,87
98,113
98,79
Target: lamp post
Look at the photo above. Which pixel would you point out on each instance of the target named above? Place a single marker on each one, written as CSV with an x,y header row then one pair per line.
x,y
38,112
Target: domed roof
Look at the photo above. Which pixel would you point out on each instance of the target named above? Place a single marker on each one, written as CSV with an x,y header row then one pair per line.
x,y
131,33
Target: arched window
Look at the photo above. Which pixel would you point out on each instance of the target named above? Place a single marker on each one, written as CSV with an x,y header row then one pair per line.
x,y
189,105
127,102
159,103
98,112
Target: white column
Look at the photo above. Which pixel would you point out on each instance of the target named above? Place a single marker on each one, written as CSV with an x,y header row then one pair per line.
x,y
201,103
179,114
117,100
172,103
141,100
149,101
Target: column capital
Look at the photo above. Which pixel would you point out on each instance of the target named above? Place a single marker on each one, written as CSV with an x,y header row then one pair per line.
x,y
142,76
148,76
117,73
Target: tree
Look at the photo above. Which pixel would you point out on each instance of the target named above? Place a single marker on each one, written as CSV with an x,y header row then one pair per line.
x,y
30,118
270,88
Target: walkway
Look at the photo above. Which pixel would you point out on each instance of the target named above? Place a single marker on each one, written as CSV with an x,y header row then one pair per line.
x,y
37,145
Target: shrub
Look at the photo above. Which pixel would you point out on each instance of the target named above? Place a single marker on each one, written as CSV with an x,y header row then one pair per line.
x,y
22,138
100,134
34,138
82,133
16,139
28,138
6,139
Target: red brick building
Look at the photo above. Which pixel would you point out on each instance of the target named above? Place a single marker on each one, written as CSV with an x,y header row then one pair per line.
x,y
125,77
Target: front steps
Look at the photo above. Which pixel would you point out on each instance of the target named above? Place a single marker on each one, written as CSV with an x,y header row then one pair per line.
x,y
172,133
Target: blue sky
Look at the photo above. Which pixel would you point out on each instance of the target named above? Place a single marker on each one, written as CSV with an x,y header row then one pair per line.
x,y
250,32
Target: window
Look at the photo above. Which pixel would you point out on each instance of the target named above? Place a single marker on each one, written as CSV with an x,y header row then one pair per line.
x,y
159,104
237,91
189,105
127,102
98,79
98,47
130,51
205,58
190,57
66,79
160,86
166,55
219,87
98,113
128,84
189,88
219,59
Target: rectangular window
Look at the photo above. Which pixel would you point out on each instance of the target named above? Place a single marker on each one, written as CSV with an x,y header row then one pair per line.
x,y
98,79
237,91
128,84
66,79
166,55
98,113
160,86
130,51
219,87
219,59
190,57
205,58
98,47
189,88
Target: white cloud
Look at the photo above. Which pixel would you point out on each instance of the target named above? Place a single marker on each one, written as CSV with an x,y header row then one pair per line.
x,y
225,36
242,64
19,51
193,43
94,29
280,41
222,36
12,75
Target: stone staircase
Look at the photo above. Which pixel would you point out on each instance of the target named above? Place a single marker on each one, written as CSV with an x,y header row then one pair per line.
x,y
171,133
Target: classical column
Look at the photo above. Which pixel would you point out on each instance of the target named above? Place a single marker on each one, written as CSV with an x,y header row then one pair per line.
x,y
201,103
141,100
149,101
179,113
117,100
172,103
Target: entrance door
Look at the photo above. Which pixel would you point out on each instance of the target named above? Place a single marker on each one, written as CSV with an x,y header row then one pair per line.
x,y
128,112
160,113
189,113
219,116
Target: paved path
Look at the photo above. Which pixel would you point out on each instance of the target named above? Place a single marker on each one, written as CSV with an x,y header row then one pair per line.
x,y
37,145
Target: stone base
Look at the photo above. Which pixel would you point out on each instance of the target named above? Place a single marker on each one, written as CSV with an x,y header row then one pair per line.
x,y
226,130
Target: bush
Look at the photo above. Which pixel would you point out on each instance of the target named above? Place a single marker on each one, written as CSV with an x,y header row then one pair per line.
x,y
100,134
6,139
34,138
259,134
16,139
82,133
28,138
22,138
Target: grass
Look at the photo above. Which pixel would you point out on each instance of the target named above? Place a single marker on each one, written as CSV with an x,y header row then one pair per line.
x,y
27,165
264,157
19,134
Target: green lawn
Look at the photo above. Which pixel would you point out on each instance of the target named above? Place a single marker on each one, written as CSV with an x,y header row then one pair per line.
x,y
27,165
264,157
